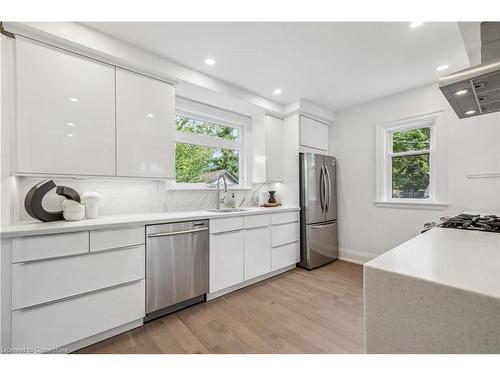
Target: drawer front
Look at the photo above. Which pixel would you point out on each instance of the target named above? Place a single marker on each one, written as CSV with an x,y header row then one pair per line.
x,y
55,325
285,217
226,260
226,224
283,234
254,221
113,238
44,281
286,255
50,246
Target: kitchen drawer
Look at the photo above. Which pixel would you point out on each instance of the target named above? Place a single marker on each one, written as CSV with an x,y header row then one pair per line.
x,y
113,238
49,246
283,234
226,224
254,221
58,324
285,217
43,281
285,255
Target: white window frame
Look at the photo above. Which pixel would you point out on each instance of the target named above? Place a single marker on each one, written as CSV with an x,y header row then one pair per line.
x,y
385,133
216,116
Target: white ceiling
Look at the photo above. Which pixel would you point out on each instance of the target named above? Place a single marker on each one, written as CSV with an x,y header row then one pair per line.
x,y
335,64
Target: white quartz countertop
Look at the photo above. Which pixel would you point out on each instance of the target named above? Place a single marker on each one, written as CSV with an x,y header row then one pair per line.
x,y
113,221
468,260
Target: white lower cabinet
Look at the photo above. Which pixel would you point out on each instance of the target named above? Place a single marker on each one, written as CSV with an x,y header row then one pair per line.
x,y
257,252
226,259
249,248
58,324
69,292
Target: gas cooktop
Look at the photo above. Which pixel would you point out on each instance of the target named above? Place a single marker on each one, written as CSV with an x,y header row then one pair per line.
x,y
486,223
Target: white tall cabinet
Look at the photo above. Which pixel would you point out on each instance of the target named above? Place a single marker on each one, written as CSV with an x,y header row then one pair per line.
x,y
274,148
65,112
145,126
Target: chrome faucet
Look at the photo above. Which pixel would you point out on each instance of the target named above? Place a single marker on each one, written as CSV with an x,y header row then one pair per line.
x,y
219,201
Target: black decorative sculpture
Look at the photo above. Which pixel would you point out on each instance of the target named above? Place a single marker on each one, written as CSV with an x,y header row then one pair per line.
x,y
33,200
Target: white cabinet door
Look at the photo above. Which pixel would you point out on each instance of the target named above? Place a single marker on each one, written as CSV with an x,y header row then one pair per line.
x,y
226,259
257,252
274,148
65,112
313,134
145,126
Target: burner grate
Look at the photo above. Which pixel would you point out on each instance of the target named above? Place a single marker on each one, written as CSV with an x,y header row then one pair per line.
x,y
486,223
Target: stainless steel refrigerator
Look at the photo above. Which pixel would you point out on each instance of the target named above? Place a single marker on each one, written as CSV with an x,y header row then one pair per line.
x,y
318,216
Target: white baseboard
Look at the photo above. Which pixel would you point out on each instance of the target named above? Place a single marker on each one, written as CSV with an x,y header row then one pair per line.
x,y
355,256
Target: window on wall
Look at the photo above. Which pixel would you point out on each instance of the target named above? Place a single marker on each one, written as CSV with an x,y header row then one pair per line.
x,y
209,142
407,163
409,160
204,150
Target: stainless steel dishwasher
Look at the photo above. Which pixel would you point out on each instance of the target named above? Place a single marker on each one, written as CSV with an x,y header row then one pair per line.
x,y
176,266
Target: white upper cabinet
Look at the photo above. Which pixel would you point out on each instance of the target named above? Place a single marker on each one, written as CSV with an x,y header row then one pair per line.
x,y
65,112
274,148
145,126
313,135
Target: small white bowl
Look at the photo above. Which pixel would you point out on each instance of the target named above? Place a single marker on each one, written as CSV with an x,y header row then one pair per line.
x,y
73,210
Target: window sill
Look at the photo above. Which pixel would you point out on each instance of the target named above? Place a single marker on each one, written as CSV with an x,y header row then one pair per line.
x,y
412,204
205,188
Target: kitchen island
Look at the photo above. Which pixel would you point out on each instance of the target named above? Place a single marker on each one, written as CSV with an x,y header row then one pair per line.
x,y
436,293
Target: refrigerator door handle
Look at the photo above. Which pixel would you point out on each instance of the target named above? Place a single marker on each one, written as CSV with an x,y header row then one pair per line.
x,y
329,188
325,186
323,225
322,189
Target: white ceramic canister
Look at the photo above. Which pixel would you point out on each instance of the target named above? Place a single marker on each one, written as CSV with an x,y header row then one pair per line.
x,y
73,210
91,201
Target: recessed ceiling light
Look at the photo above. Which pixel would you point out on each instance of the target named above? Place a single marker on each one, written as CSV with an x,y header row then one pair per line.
x,y
150,115
471,112
461,92
209,61
440,68
74,100
70,135
414,25
277,91
70,124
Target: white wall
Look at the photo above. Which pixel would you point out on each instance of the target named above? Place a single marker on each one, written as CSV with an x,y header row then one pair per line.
x,y
471,146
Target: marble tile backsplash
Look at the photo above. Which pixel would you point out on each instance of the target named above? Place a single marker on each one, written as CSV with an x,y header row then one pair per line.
x,y
131,196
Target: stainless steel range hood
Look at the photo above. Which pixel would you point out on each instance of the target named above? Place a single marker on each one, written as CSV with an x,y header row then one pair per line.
x,y
476,91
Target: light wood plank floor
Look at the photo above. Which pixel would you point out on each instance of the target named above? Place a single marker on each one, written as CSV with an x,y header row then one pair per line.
x,y
319,311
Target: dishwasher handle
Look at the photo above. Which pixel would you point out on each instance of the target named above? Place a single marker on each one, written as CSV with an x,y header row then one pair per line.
x,y
165,234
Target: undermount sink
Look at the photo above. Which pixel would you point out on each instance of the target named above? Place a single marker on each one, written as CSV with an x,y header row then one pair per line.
x,y
221,210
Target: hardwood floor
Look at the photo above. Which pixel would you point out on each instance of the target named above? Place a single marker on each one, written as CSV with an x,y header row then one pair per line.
x,y
319,311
